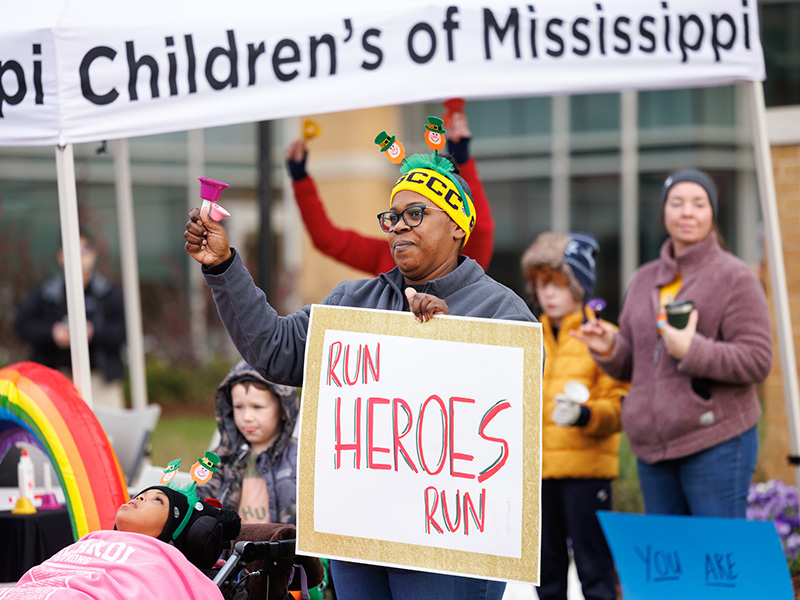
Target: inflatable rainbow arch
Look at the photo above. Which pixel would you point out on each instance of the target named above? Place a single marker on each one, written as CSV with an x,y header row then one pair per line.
x,y
40,406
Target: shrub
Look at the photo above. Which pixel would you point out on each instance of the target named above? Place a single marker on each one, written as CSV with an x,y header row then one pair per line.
x,y
181,386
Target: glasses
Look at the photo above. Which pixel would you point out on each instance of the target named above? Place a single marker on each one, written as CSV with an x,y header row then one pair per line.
x,y
412,216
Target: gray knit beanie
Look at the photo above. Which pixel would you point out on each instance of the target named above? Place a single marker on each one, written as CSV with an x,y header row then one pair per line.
x,y
695,176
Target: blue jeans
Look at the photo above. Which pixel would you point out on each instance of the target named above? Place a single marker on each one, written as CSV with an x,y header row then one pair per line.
x,y
710,483
357,581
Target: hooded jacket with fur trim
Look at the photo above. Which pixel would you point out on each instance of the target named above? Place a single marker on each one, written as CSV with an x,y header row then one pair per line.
x,y
277,465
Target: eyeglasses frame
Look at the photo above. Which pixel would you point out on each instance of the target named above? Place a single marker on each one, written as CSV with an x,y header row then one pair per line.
x,y
402,215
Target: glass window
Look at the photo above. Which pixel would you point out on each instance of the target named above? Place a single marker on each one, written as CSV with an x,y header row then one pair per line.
x,y
594,112
780,21
670,108
595,209
521,211
513,117
505,118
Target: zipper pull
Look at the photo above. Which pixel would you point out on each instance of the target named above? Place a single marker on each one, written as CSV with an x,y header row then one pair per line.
x,y
657,352
242,452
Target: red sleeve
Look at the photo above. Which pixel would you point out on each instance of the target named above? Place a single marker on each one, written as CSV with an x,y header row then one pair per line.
x,y
481,243
370,254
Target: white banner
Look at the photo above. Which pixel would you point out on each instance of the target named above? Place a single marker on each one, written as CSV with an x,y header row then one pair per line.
x,y
75,71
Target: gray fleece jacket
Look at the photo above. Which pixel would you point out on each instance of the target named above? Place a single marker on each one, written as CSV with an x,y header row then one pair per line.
x,y
677,408
275,345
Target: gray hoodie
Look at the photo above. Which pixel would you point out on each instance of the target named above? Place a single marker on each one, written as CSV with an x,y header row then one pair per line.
x,y
277,465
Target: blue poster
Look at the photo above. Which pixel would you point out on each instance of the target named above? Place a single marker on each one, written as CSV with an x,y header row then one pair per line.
x,y
667,557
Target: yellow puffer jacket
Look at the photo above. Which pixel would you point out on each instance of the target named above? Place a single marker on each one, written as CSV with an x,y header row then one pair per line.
x,y
591,451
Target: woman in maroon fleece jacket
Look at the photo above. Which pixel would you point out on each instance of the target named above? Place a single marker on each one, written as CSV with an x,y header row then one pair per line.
x,y
371,254
692,409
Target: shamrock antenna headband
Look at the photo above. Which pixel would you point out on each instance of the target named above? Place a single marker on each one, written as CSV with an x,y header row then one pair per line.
x,y
201,473
434,137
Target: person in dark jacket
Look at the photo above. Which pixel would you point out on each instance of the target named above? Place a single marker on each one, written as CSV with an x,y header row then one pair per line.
x,y
258,470
426,224
692,412
41,321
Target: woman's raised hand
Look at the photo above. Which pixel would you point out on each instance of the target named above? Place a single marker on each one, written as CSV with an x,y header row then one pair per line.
x,y
600,336
206,239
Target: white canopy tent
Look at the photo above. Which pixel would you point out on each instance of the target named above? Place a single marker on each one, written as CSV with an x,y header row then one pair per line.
x,y
74,71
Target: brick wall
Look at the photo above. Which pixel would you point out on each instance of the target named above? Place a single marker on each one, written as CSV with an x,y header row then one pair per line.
x,y
775,438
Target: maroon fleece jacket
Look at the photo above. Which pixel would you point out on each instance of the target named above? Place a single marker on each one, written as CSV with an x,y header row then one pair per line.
x,y
677,408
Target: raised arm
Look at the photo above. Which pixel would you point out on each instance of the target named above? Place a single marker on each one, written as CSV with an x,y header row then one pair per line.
x,y
366,253
481,241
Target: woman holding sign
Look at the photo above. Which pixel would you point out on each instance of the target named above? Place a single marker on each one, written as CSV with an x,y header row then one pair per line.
x,y
694,340
430,218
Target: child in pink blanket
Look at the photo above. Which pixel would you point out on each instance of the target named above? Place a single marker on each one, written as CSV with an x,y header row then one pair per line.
x,y
161,540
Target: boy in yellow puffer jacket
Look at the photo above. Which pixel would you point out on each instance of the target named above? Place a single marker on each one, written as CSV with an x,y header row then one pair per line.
x,y
580,435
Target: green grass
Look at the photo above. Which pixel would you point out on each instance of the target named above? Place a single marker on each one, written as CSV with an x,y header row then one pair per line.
x,y
181,436
626,495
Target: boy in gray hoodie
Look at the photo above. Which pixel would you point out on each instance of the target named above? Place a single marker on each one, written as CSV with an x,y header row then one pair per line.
x,y
258,469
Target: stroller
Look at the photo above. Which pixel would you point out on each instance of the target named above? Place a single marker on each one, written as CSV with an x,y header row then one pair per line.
x,y
263,565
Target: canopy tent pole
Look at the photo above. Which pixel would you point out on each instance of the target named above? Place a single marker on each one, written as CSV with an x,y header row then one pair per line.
x,y
71,246
772,236
130,274
559,168
629,175
198,294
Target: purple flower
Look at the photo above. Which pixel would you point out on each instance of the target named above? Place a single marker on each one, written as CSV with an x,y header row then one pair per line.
x,y
776,501
792,545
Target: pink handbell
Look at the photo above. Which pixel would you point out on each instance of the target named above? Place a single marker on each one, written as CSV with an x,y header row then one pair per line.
x,y
210,191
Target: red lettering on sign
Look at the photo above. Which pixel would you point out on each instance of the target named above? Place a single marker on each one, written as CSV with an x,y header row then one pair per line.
x,y
374,365
371,447
340,446
469,509
420,450
431,509
355,365
454,456
399,449
501,460
332,363
464,511
451,526
345,365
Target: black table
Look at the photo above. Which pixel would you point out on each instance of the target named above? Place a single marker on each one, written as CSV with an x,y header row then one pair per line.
x,y
27,540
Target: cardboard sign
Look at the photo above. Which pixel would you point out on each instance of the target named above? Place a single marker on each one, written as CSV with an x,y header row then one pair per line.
x,y
667,557
420,442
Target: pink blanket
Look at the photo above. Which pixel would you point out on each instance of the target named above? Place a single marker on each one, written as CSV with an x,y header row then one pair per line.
x,y
113,565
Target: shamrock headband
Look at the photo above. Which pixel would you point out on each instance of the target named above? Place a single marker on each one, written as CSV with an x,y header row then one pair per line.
x,y
183,499
432,176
